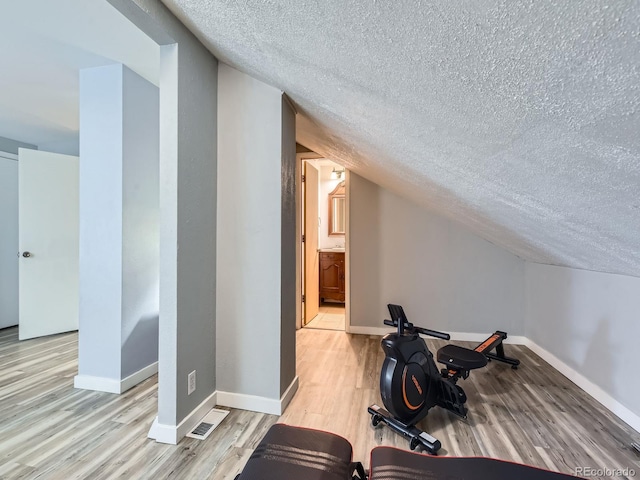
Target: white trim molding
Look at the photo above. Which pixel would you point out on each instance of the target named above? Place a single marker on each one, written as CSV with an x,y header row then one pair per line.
x,y
359,330
455,336
288,395
259,404
138,377
587,385
172,434
99,384
8,156
111,385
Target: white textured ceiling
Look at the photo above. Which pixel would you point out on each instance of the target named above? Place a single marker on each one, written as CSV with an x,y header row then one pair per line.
x,y
43,45
519,119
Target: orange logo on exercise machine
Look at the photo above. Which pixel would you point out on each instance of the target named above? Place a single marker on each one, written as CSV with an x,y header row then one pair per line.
x,y
414,380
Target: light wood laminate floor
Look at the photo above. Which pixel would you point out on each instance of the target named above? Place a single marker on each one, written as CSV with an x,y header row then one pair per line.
x,y
331,316
49,430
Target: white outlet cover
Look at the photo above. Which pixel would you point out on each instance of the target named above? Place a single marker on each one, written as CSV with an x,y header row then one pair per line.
x,y
191,383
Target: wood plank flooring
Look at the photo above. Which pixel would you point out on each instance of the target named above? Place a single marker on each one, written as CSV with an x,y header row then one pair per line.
x,y
331,316
49,430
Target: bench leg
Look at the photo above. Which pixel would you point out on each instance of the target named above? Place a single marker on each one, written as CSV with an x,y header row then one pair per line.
x,y
501,357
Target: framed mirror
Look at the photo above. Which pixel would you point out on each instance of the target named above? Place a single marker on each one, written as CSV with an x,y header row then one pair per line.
x,y
337,209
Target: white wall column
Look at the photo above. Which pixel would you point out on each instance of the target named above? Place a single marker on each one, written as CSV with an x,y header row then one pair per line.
x,y
256,245
119,229
188,162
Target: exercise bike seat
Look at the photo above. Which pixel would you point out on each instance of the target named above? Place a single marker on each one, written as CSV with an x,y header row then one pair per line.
x,y
460,358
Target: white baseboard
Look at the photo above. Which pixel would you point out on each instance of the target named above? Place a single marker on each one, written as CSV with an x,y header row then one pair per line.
x,y
289,394
99,384
455,336
587,385
172,434
111,385
258,404
138,377
380,331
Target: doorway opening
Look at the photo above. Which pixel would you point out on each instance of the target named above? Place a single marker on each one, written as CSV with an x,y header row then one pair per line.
x,y
324,273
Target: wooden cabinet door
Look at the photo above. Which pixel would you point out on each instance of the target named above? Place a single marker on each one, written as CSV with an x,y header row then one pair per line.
x,y
332,276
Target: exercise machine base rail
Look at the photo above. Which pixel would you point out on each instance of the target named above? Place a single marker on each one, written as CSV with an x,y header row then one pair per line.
x,y
495,342
417,437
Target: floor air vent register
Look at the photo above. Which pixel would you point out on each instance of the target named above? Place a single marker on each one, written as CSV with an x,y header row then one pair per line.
x,y
208,424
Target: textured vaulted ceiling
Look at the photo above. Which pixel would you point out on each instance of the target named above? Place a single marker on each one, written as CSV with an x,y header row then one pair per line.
x,y
518,119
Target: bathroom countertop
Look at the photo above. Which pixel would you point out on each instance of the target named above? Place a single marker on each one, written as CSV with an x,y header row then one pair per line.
x,y
332,250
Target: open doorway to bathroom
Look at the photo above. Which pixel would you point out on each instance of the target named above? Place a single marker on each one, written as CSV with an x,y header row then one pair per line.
x,y
324,266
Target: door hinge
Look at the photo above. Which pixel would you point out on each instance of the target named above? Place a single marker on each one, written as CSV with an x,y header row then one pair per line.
x,y
303,237
303,178
303,298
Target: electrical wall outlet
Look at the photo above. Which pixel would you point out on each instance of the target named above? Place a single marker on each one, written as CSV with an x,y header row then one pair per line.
x,y
191,383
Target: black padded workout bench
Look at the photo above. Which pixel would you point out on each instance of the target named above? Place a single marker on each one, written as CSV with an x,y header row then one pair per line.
x,y
294,453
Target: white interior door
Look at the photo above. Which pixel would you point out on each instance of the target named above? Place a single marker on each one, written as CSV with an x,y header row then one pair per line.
x,y
48,243
8,240
311,266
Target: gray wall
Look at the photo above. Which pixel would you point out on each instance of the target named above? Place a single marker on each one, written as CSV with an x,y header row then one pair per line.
x,y
12,146
140,223
288,249
65,147
119,234
589,320
445,277
188,161
254,172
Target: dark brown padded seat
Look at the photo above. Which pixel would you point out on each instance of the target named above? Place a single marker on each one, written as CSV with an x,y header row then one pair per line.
x,y
460,358
389,463
294,453
288,452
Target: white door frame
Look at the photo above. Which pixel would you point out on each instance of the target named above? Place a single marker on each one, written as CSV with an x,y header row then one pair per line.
x,y
300,247
11,279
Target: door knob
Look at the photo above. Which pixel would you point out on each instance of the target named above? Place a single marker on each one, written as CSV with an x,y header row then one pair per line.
x,y
26,254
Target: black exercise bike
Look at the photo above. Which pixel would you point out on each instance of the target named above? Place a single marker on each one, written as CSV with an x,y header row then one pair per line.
x,y
411,384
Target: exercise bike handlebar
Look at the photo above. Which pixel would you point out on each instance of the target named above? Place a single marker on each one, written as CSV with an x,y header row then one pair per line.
x,y
424,331
432,333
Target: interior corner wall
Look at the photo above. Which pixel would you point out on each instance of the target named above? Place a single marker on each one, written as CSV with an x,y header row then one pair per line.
x,y
188,169
589,321
250,235
444,276
288,302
